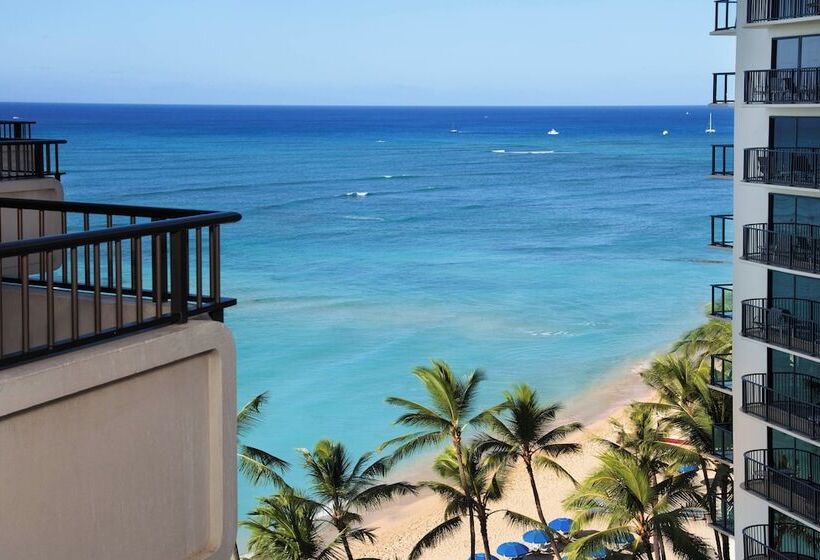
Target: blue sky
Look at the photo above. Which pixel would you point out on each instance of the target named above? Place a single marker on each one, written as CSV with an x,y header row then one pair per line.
x,y
364,52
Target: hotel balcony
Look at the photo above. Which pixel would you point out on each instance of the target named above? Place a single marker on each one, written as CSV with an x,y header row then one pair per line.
x,y
722,231
787,323
721,305
27,158
117,389
725,17
723,161
787,400
792,484
720,375
782,86
15,128
723,88
763,11
790,246
723,448
767,542
788,167
722,513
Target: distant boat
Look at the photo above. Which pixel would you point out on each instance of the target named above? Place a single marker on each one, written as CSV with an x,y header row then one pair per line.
x,y
711,129
453,129
553,132
665,133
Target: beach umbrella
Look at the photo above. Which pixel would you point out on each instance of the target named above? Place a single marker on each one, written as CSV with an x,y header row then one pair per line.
x,y
562,524
686,469
512,549
599,553
480,556
536,536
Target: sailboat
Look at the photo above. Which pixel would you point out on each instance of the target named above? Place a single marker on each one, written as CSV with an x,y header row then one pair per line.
x,y
711,129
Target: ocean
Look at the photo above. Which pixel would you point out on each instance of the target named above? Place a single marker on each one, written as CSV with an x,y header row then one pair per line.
x,y
375,239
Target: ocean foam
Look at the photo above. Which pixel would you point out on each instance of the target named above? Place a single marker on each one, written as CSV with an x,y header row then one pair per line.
x,y
358,194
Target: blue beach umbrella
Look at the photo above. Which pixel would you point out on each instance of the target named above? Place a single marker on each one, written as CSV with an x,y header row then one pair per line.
x,y
536,536
512,549
599,554
480,556
562,524
686,469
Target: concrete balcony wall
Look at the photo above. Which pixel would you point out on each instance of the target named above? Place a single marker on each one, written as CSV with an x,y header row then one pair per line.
x,y
124,449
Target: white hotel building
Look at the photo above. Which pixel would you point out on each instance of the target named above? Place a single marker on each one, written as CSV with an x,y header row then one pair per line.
x,y
774,372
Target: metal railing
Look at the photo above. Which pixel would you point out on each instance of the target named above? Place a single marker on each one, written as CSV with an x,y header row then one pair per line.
x,y
720,374
784,86
77,273
723,160
773,10
790,167
723,512
792,246
722,230
15,128
760,542
723,446
723,88
29,158
786,399
721,301
725,15
787,477
789,323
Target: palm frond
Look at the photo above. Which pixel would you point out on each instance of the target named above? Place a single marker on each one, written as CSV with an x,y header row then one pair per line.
x,y
435,536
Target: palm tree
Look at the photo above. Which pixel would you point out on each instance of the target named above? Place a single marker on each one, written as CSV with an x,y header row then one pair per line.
x,y
450,412
713,337
486,479
344,489
623,495
524,432
256,465
286,526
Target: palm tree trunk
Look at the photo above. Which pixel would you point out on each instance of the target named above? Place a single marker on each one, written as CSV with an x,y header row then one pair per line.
x,y
705,472
471,516
235,551
462,475
660,549
485,537
535,496
346,545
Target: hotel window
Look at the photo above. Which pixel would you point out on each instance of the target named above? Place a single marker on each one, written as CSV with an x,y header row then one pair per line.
x,y
792,538
795,377
796,52
794,132
794,456
784,285
787,209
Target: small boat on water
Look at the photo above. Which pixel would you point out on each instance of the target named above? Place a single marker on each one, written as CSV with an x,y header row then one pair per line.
x,y
711,129
665,133
553,132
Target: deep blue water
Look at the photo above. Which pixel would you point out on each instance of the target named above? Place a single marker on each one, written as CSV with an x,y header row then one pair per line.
x,y
553,262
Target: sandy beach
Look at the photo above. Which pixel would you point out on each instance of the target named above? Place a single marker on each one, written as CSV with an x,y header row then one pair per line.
x,y
400,525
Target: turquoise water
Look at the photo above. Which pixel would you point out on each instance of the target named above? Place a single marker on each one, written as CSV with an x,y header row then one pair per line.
x,y
551,262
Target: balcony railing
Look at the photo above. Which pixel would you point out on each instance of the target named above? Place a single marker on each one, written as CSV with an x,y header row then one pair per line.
x,y
785,322
790,167
721,301
773,10
15,128
723,161
76,273
792,246
723,447
787,477
782,86
723,88
786,399
723,513
759,544
722,230
27,158
725,15
720,375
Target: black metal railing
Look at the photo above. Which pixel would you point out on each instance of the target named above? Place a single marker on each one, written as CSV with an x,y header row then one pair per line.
x,y
722,230
791,167
773,10
30,158
721,301
781,542
787,399
15,128
793,324
723,512
723,160
786,86
787,477
720,374
725,15
723,446
792,246
723,88
76,273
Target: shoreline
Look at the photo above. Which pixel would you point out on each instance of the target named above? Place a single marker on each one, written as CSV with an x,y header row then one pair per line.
x,y
400,524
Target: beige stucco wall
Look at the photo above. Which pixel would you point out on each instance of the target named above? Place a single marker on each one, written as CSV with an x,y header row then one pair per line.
x,y
123,450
